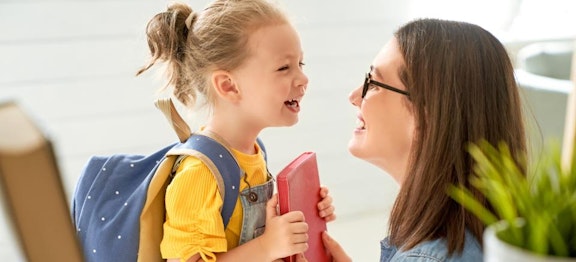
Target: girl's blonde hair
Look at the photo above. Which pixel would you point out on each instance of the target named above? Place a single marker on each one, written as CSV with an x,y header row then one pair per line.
x,y
193,44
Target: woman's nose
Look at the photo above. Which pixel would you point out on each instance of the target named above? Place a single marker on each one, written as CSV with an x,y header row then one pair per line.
x,y
355,96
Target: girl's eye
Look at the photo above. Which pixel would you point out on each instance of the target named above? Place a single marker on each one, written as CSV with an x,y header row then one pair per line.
x,y
286,67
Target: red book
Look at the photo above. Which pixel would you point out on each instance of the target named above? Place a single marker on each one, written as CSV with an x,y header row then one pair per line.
x,y
299,189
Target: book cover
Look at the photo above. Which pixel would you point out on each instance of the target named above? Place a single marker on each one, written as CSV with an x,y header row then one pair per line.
x,y
33,195
299,189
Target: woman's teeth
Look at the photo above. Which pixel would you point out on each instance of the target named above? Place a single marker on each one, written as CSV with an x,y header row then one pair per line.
x,y
360,124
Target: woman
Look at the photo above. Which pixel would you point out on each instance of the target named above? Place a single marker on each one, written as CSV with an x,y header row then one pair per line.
x,y
434,88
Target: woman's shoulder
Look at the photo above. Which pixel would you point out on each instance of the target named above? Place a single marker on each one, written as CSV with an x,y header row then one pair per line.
x,y
437,250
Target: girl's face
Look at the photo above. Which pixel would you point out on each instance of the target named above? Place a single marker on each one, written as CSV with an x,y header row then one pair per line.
x,y
271,80
386,126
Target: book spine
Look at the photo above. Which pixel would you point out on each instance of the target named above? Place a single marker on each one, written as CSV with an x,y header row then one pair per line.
x,y
283,196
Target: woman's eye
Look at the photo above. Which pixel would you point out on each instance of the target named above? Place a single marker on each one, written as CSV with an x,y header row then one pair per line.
x,y
301,64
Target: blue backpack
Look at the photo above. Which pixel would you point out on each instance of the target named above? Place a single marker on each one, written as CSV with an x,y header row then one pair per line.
x,y
118,204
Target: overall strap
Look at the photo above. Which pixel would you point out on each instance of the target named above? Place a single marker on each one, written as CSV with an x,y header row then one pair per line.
x,y
261,144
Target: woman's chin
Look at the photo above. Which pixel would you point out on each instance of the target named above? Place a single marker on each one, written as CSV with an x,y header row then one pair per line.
x,y
354,148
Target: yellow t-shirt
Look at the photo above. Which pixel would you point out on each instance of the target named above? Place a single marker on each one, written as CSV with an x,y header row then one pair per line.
x,y
193,220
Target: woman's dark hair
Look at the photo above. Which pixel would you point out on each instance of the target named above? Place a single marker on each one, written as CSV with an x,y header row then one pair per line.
x,y
462,90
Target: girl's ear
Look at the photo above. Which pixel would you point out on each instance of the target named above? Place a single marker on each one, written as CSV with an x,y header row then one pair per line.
x,y
225,86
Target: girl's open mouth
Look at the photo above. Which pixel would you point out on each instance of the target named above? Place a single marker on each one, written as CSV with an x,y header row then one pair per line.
x,y
293,105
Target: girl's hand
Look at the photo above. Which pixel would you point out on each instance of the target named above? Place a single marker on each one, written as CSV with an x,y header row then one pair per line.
x,y
325,207
284,235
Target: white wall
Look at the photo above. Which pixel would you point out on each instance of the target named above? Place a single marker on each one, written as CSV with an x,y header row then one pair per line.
x,y
72,62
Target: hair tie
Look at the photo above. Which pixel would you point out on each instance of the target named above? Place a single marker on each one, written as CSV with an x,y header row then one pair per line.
x,y
190,20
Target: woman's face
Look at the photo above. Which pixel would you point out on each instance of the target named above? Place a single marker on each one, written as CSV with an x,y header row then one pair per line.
x,y
386,126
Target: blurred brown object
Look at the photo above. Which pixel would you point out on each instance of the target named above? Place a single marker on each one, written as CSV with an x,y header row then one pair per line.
x,y
33,194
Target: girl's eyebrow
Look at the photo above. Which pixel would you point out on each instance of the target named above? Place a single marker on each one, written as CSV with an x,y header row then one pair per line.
x,y
291,56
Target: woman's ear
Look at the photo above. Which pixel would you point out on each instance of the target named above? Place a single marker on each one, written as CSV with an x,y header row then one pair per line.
x,y
225,87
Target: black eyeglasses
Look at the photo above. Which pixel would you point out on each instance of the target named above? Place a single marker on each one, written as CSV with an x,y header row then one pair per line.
x,y
368,81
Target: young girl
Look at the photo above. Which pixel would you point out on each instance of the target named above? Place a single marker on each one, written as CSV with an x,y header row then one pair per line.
x,y
245,59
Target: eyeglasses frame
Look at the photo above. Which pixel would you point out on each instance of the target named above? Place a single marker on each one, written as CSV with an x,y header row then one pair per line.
x,y
369,81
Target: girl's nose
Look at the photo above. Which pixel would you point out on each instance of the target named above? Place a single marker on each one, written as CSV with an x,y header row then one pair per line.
x,y
303,81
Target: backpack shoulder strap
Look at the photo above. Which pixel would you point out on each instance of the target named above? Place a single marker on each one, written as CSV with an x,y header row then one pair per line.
x,y
166,106
221,163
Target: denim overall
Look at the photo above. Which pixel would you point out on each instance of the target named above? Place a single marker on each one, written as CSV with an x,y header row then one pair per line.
x,y
253,201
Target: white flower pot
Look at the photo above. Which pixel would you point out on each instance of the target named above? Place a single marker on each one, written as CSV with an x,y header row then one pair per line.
x,y
496,250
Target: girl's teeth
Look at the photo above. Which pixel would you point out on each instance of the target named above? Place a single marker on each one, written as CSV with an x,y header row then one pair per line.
x,y
292,103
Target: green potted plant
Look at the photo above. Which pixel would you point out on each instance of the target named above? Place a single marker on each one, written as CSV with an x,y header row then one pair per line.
x,y
534,215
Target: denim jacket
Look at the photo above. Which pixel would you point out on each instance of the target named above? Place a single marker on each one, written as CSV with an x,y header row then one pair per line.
x,y
432,251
